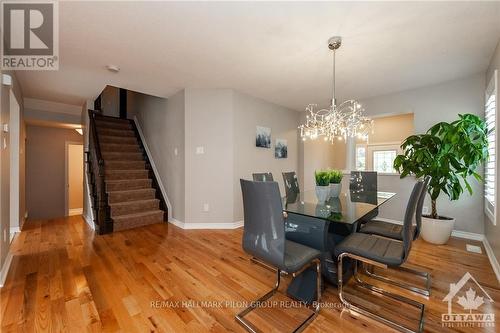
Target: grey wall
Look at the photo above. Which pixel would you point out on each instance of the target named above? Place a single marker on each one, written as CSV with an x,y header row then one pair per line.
x,y
209,176
431,104
491,231
162,123
248,113
222,123
45,170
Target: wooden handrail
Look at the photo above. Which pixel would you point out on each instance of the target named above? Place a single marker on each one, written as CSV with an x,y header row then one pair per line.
x,y
95,137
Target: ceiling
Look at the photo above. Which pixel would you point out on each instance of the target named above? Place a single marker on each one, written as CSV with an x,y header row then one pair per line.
x,y
274,51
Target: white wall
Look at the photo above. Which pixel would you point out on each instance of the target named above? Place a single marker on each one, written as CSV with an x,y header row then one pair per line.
x,y
492,232
432,104
5,168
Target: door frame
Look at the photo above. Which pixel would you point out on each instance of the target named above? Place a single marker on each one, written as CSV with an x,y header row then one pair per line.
x,y
66,174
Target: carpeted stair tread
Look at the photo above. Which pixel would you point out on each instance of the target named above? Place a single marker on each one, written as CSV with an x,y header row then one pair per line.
x,y
121,156
137,206
135,220
126,174
127,184
118,147
125,165
127,140
115,132
112,119
113,125
131,195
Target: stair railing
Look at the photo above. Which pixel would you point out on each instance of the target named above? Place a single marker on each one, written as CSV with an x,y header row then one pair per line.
x,y
100,205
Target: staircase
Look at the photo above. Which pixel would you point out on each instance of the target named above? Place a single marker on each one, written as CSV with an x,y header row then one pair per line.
x,y
125,191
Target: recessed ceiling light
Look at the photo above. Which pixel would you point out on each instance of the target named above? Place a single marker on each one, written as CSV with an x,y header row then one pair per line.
x,y
113,68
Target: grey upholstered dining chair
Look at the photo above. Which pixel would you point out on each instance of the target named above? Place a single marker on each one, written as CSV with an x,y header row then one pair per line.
x,y
263,177
291,183
362,181
395,231
264,238
381,252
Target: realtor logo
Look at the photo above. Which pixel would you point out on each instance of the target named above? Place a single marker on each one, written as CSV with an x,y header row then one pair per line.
x,y
30,35
469,294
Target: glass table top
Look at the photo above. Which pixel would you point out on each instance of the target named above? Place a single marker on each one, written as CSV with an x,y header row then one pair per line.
x,y
348,208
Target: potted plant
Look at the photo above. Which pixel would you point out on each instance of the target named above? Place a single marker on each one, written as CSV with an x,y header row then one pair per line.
x,y
322,185
335,183
449,153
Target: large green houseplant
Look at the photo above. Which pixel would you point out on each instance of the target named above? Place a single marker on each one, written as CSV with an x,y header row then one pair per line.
x,y
448,152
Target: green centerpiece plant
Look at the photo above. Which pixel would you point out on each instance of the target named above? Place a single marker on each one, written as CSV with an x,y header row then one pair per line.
x,y
335,182
322,178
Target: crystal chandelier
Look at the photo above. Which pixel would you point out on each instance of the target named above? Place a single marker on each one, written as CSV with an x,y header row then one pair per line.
x,y
338,121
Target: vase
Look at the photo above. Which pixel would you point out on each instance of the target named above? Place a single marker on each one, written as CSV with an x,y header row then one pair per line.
x,y
335,190
322,193
437,231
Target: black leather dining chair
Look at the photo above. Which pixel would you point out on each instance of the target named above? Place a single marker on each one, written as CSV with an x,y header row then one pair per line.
x,y
395,231
381,252
263,177
264,239
291,183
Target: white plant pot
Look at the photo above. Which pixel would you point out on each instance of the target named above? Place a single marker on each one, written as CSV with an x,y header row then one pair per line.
x,y
335,190
322,193
436,231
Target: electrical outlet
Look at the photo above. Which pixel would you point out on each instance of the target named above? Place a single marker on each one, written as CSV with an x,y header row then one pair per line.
x,y
425,210
206,207
176,152
200,150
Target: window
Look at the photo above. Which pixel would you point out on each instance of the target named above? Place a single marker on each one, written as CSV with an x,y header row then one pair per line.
x,y
360,157
383,161
490,115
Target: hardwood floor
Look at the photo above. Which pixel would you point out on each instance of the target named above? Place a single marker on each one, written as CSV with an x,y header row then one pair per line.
x,y
63,277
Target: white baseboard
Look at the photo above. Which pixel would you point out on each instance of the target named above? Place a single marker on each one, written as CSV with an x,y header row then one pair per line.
x,y
89,221
492,258
75,211
467,235
153,166
454,233
183,225
5,269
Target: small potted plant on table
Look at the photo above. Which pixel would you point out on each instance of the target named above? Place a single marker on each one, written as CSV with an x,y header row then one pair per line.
x,y
322,185
335,183
450,153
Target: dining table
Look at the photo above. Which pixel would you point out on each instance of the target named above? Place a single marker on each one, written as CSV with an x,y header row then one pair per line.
x,y
322,225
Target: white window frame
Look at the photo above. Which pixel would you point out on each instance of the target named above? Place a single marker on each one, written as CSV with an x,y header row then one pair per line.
x,y
373,147
490,207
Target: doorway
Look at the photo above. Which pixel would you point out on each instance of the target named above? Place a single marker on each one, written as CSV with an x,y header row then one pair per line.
x,y
74,178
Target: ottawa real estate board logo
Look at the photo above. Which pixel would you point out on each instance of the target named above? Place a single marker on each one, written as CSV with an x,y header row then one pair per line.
x,y
476,304
30,35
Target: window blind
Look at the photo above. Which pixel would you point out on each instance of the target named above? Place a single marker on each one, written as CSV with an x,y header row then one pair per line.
x,y
490,188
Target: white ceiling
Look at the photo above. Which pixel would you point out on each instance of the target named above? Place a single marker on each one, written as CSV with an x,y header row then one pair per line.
x,y
275,51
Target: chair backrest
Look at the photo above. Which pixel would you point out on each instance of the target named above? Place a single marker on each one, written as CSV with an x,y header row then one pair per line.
x,y
263,177
420,205
409,215
363,181
264,226
291,183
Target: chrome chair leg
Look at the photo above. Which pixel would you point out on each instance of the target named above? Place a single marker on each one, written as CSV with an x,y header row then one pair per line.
x,y
255,304
423,291
380,291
